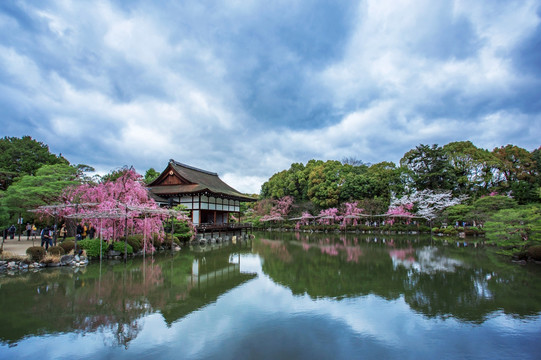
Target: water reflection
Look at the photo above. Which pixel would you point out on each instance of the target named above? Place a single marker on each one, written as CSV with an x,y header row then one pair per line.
x,y
280,296
467,283
112,297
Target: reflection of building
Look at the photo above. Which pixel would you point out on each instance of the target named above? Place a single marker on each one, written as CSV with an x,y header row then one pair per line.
x,y
203,193
213,274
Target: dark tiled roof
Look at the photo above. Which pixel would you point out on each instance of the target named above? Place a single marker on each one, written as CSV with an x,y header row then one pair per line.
x,y
200,181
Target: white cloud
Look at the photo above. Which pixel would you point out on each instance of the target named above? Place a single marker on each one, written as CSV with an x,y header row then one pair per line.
x,y
246,184
143,85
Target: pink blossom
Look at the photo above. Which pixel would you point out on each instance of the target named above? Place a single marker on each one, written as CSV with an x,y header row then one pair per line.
x,y
118,204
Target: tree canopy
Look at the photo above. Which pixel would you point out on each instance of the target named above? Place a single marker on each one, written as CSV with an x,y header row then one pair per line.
x,y
43,188
459,167
23,156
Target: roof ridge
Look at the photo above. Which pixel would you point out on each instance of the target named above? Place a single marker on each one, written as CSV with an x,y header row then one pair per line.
x,y
192,167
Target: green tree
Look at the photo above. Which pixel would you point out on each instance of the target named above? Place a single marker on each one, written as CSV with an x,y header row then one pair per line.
x,y
325,182
514,164
386,179
515,226
275,187
23,156
473,168
151,175
429,168
525,192
296,182
292,182
536,157
43,188
486,206
460,213
356,185
115,174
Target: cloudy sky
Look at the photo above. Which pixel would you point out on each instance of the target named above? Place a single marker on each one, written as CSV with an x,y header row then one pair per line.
x,y
245,88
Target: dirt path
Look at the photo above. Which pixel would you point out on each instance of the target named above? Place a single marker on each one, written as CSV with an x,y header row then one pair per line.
x,y
19,247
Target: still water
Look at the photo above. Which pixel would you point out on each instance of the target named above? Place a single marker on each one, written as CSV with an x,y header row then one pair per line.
x,y
281,296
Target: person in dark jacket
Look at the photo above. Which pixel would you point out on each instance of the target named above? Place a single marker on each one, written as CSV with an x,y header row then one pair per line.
x,y
45,238
79,231
12,230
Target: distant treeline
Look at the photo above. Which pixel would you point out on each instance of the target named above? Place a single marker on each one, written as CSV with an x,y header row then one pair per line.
x,y
460,167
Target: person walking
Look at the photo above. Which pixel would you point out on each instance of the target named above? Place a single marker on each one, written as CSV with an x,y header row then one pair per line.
x,y
28,231
45,237
79,232
12,230
63,232
91,232
52,236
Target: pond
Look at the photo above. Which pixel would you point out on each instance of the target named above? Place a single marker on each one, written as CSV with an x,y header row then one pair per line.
x,y
281,296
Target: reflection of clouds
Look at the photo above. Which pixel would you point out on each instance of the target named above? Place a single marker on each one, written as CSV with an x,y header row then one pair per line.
x,y
481,285
262,311
250,263
428,261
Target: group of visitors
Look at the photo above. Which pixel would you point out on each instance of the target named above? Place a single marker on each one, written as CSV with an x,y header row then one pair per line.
x,y
50,234
31,231
9,232
48,237
83,231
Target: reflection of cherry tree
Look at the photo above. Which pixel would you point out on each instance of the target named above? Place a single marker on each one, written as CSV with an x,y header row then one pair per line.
x,y
353,253
328,247
402,254
278,248
428,203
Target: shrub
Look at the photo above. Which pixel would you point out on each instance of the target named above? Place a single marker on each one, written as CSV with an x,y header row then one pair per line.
x,y
167,241
56,250
450,231
184,237
436,230
35,253
136,242
120,246
67,245
534,252
92,246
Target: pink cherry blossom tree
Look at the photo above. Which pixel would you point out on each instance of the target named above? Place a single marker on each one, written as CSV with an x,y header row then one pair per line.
x,y
329,216
127,202
400,211
351,213
280,209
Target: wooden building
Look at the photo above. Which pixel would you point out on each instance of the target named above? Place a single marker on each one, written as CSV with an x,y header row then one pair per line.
x,y
203,193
